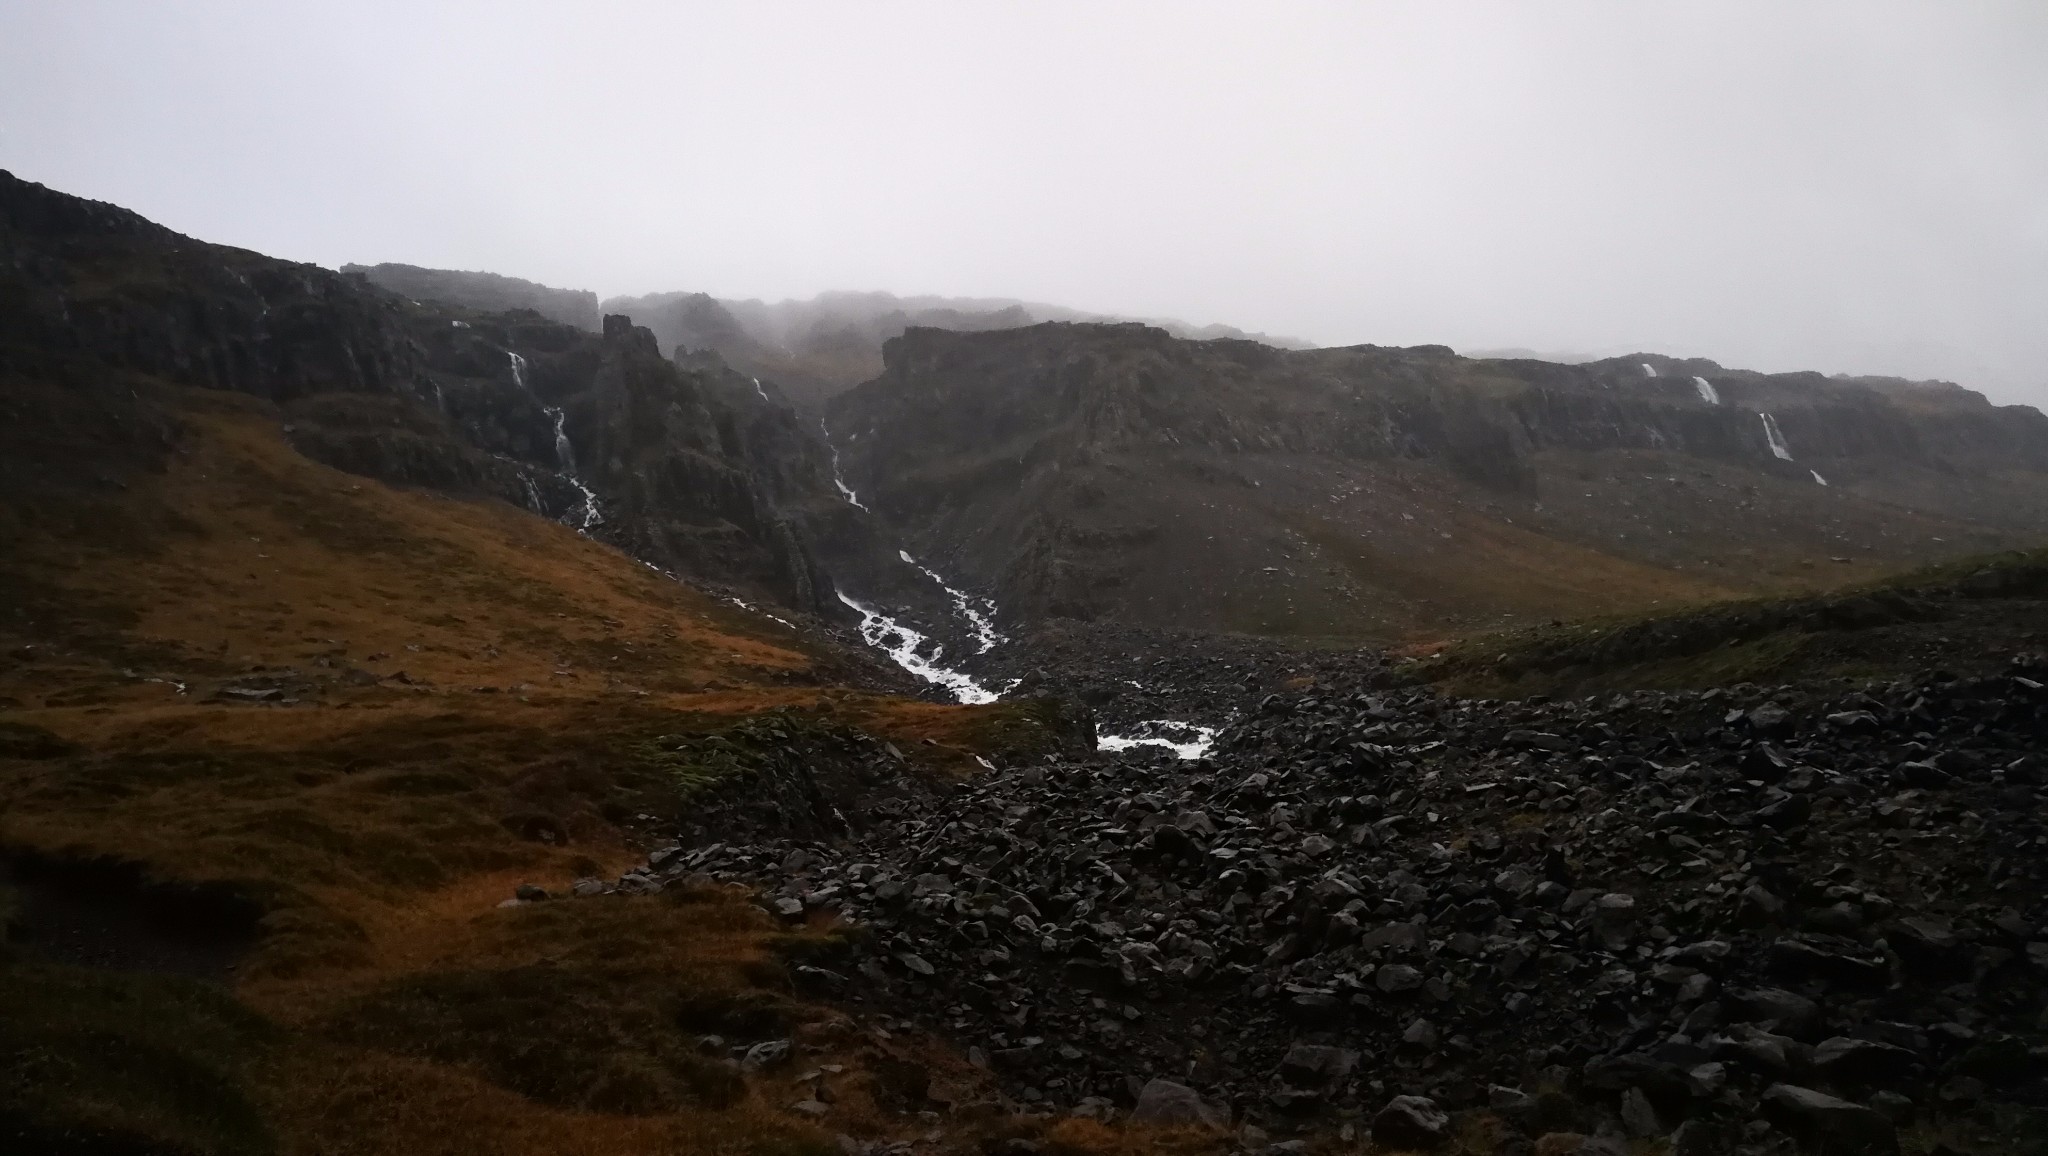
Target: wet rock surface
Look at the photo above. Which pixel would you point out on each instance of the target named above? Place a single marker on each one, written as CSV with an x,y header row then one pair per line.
x,y
1739,919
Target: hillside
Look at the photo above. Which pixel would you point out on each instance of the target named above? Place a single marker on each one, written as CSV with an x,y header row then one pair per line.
x,y
689,468
1117,473
1970,616
276,744
434,731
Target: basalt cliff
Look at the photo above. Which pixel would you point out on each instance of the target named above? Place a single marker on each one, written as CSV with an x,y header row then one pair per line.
x,y
689,468
1118,473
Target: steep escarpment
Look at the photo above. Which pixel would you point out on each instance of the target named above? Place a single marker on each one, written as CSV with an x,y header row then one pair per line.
x,y
485,292
1115,471
817,348
692,469
810,349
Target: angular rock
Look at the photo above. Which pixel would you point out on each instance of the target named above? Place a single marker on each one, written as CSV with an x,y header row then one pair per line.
x,y
1410,1122
1163,1102
1819,1119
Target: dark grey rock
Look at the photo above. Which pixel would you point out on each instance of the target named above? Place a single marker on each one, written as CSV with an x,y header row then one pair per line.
x,y
1410,1122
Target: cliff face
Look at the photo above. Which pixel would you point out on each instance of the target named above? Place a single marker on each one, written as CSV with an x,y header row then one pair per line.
x,y
484,292
810,350
818,348
103,315
1117,471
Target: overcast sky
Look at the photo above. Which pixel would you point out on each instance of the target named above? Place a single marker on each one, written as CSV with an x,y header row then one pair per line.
x,y
1859,186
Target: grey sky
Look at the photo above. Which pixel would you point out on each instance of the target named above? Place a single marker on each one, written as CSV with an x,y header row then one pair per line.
x,y
1853,186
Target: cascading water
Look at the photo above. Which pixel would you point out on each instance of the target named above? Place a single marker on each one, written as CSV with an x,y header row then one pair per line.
x,y
906,647
922,657
845,491
588,514
980,619
565,454
762,392
1187,740
1649,370
565,457
1779,448
1706,389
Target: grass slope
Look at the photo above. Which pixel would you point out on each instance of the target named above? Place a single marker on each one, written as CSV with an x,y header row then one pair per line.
x,y
441,700
1969,613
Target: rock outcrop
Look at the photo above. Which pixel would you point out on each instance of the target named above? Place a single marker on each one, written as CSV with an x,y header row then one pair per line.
x,y
484,292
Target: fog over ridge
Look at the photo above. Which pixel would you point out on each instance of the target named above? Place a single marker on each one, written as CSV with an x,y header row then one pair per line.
x,y
1850,188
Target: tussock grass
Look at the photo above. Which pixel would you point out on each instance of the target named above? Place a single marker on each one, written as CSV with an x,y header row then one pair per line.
x,y
389,1004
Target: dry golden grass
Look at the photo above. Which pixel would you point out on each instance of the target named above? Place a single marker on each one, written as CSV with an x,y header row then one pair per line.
x,y
380,822
246,554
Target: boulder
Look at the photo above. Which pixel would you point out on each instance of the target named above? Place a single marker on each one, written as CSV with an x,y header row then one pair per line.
x,y
1822,1121
1163,1102
1410,1122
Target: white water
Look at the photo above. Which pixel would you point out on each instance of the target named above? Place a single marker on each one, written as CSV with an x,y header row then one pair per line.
x,y
1649,370
1706,389
1186,740
904,645
844,490
980,619
743,604
1779,449
1817,477
532,494
762,392
565,456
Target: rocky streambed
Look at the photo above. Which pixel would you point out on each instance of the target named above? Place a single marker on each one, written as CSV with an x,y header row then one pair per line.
x,y
1746,920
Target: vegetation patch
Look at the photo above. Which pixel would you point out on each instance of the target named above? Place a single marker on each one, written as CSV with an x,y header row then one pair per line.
x,y
1998,603
98,1061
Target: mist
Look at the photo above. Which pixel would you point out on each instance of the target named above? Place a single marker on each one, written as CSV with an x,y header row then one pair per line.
x,y
1854,187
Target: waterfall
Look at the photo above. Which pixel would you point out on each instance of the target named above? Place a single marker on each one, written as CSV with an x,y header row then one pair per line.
x,y
1649,370
1779,449
905,646
980,619
845,491
1706,389
565,454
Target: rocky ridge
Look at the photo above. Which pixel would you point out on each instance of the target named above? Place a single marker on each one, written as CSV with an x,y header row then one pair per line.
x,y
817,348
485,292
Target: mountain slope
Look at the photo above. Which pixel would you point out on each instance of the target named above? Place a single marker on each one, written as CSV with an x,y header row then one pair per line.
x,y
693,470
304,682
278,742
1117,472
